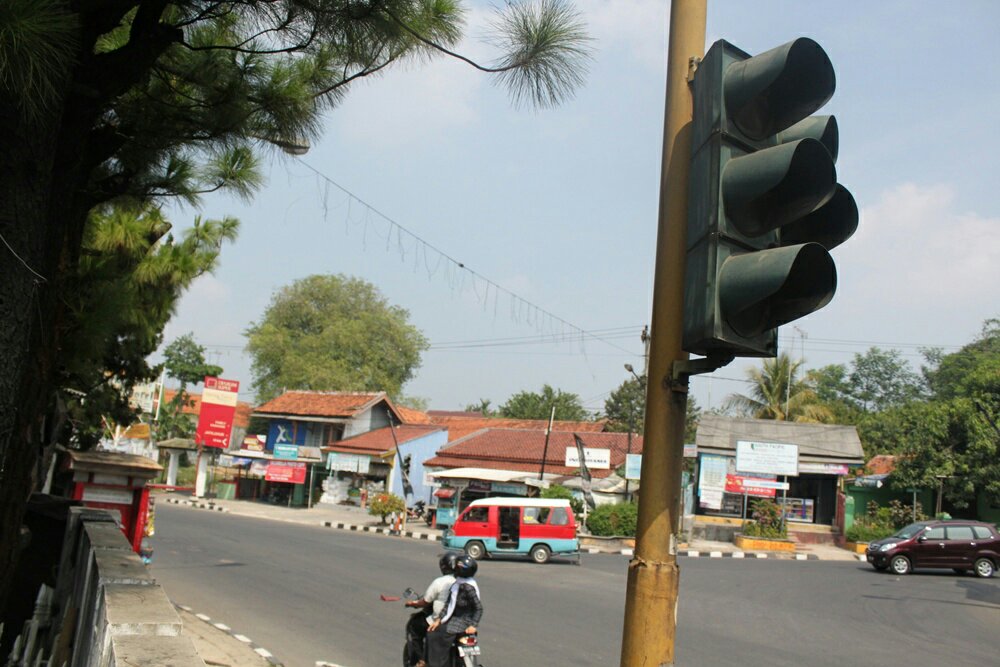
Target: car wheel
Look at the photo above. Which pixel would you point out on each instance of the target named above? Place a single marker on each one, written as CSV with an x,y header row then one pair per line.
x,y
540,554
900,565
985,568
475,550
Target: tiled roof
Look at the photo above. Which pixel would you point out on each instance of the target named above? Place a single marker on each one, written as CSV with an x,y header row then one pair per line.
x,y
320,403
460,426
520,449
241,419
379,441
883,464
412,416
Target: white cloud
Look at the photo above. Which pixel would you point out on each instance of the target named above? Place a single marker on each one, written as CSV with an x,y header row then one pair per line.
x,y
916,251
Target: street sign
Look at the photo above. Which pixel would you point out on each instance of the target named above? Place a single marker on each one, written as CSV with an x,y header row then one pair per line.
x,y
215,417
286,452
767,458
595,458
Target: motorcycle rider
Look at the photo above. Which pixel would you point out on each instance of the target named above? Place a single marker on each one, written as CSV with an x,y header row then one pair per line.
x,y
460,616
431,603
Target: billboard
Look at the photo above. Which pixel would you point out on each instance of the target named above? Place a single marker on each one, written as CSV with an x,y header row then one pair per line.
x,y
218,407
767,458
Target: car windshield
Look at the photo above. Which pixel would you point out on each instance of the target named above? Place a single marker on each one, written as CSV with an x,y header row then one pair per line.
x,y
910,531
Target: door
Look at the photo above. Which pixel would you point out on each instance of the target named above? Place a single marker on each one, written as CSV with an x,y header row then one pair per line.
x,y
959,547
510,527
928,549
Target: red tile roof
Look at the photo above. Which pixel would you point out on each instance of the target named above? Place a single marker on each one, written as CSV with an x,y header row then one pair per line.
x,y
321,403
412,416
520,449
461,426
241,419
883,464
379,442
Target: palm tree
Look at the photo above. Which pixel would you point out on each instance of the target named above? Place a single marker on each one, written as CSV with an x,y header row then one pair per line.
x,y
779,391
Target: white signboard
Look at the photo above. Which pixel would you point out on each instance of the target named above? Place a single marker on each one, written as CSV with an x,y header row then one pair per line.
x,y
348,462
598,459
633,466
767,458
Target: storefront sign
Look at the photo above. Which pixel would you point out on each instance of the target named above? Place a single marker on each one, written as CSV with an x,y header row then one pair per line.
x,y
478,485
767,458
824,468
751,486
690,451
252,443
286,471
93,494
633,466
358,463
597,459
218,407
286,452
712,480
511,489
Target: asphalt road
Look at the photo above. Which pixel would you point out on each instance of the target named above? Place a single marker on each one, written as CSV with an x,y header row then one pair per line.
x,y
312,594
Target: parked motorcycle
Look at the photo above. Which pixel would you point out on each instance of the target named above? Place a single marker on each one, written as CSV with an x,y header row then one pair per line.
x,y
417,511
465,651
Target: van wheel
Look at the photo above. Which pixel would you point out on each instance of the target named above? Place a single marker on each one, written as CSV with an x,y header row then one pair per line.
x,y
540,553
900,565
984,568
475,550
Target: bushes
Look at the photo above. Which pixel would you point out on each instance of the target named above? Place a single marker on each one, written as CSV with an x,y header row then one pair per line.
x,y
881,522
766,521
384,504
613,520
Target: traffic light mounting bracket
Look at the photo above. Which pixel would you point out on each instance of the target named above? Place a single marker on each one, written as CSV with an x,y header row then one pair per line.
x,y
682,370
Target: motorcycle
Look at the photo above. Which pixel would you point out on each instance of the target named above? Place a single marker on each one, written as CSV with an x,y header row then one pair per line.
x,y
465,650
417,511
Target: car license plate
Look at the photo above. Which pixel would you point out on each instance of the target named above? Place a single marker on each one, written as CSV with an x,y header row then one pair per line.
x,y
468,650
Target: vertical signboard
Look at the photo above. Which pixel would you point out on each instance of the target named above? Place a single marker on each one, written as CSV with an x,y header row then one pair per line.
x,y
218,407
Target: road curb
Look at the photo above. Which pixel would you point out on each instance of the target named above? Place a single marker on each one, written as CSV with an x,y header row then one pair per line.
x,y
381,530
243,639
198,504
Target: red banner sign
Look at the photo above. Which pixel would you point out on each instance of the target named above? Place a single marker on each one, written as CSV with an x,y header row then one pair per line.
x,y
286,471
741,484
218,407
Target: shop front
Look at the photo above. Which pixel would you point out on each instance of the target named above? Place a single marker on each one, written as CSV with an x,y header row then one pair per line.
x,y
456,489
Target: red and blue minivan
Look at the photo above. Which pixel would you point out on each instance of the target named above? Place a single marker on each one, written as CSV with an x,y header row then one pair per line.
x,y
534,527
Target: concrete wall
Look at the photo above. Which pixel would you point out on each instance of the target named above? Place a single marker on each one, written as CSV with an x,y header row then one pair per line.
x,y
106,609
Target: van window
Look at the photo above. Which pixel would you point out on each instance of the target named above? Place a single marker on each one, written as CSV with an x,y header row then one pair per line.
x,y
480,514
959,532
936,533
560,517
536,515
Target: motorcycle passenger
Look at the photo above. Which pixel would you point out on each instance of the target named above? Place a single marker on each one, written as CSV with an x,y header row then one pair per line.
x,y
460,616
431,603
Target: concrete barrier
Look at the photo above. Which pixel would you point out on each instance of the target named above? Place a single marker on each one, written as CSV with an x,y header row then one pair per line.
x,y
106,609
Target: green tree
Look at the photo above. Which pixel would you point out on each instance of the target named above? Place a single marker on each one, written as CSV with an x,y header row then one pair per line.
x,y
778,391
627,405
483,407
329,333
538,405
184,361
137,101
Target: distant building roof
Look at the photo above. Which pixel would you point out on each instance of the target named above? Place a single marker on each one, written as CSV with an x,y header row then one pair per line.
x,y
335,404
193,407
521,450
462,424
379,442
818,443
412,416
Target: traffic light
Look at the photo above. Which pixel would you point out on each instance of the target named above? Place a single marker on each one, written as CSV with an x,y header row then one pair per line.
x,y
764,205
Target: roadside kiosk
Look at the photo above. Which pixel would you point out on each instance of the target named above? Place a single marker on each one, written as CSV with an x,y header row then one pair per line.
x,y
114,482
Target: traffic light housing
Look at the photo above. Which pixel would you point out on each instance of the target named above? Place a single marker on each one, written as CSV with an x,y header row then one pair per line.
x,y
764,205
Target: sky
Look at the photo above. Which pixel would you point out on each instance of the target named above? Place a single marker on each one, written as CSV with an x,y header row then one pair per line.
x,y
552,214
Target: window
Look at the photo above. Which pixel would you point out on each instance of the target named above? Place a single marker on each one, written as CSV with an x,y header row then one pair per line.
x,y
536,515
982,532
481,514
934,533
560,517
960,533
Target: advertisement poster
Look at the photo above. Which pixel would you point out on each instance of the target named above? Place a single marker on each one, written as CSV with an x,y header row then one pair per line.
x,y
767,458
712,480
218,407
286,471
749,485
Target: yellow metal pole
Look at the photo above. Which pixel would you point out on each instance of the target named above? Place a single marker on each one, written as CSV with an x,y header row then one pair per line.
x,y
653,576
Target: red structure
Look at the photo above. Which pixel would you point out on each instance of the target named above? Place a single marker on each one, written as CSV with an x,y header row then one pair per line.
x,y
115,482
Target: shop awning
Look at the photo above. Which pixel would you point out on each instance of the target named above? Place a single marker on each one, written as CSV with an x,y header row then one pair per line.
x,y
444,493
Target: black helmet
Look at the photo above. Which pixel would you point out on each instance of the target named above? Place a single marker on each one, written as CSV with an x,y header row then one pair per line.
x,y
447,563
466,566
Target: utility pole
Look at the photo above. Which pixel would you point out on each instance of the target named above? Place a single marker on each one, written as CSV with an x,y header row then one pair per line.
x,y
653,576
